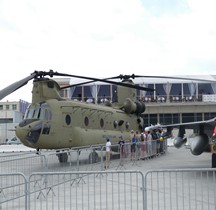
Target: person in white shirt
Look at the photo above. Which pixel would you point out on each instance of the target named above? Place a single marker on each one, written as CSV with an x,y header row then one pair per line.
x,y
149,144
108,151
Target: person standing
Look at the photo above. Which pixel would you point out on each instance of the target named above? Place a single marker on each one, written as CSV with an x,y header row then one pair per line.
x,y
108,151
121,149
133,145
149,144
143,138
138,145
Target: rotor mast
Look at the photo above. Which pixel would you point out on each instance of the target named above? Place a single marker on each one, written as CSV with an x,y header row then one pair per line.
x,y
44,89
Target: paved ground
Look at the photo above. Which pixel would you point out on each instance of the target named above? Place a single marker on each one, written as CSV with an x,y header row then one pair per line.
x,y
175,159
172,159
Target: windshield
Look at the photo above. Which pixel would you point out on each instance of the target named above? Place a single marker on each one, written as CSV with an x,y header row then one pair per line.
x,y
38,111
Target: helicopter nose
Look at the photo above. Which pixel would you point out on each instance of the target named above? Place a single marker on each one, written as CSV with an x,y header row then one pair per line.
x,y
33,135
29,134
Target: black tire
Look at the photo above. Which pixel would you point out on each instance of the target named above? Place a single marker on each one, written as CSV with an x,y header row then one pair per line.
x,y
63,157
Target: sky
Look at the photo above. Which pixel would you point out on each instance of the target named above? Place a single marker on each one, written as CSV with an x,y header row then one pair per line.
x,y
105,38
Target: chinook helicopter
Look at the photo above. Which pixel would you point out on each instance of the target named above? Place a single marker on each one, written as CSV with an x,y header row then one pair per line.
x,y
53,122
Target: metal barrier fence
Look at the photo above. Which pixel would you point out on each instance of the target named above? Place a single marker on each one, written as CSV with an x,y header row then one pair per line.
x,y
183,189
73,190
86,190
85,159
25,163
180,189
13,191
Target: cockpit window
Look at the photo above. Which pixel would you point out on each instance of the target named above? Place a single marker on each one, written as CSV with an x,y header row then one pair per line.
x,y
38,111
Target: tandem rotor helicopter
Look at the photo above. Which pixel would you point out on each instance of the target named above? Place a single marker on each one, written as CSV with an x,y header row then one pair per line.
x,y
53,122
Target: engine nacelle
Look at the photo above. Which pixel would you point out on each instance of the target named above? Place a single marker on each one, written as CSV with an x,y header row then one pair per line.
x,y
131,107
198,144
140,107
179,141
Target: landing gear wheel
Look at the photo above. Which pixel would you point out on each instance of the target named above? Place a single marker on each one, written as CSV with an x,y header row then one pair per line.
x,y
213,160
93,157
63,157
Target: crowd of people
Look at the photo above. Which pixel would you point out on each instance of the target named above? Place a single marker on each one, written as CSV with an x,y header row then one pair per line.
x,y
140,145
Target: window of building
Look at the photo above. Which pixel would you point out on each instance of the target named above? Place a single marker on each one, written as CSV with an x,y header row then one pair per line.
x,y
197,116
160,89
1,107
187,117
166,119
104,93
77,93
205,88
7,107
88,93
150,93
6,120
150,119
176,89
210,115
14,106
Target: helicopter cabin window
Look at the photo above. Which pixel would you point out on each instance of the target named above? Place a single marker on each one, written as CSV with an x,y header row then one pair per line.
x,y
101,123
46,129
68,119
32,113
38,112
47,114
115,124
86,121
127,125
29,113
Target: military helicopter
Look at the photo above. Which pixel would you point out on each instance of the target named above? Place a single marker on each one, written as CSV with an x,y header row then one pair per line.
x,y
52,122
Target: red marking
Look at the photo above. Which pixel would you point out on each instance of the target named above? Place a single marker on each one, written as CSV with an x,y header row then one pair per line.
x,y
214,133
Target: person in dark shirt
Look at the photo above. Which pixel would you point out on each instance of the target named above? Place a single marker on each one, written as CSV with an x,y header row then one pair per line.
x,y
121,147
133,146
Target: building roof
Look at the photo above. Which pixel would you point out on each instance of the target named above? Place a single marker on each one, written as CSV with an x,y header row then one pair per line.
x,y
194,79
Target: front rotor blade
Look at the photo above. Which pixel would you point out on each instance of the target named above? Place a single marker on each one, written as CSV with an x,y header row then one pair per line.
x,y
11,88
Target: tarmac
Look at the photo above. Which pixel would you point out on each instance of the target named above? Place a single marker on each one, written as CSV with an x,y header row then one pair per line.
x,y
178,180
173,159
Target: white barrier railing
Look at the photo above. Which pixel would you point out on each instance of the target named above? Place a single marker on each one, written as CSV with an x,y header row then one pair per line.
x,y
180,189
86,190
13,191
85,159
156,189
